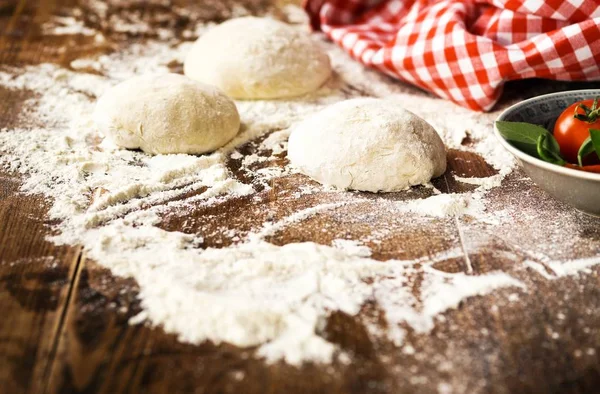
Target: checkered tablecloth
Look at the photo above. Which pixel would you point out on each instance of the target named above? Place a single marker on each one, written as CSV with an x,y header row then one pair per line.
x,y
464,50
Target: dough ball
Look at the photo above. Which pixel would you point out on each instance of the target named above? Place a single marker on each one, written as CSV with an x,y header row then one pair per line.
x,y
258,58
367,144
167,114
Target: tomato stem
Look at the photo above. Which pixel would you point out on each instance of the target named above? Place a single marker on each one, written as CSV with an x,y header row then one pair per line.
x,y
589,115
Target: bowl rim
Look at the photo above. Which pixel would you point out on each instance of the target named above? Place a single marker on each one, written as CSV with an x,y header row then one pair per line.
x,y
534,160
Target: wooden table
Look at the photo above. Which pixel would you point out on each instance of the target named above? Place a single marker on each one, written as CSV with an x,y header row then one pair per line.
x,y
64,319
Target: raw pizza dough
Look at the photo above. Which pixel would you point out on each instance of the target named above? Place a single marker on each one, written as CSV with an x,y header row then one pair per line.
x,y
367,144
258,58
167,113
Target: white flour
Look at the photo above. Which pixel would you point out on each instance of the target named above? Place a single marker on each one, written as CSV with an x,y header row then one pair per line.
x,y
252,293
442,205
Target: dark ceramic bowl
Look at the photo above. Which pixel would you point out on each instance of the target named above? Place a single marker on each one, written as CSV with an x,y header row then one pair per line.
x,y
577,188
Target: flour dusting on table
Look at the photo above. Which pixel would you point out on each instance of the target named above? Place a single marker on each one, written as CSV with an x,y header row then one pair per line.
x,y
252,291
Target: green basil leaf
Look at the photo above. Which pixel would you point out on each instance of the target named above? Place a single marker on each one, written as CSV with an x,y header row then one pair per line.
x,y
520,131
523,136
528,148
585,149
595,136
553,144
548,149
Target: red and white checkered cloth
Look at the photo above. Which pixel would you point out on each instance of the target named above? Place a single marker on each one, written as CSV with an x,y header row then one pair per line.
x,y
464,50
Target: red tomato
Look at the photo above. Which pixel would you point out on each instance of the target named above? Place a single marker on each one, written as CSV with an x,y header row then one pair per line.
x,y
594,168
570,132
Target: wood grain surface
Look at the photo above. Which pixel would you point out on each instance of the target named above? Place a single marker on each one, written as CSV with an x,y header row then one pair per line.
x,y
64,318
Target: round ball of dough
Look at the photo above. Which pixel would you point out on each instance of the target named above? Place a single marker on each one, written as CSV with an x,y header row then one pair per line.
x,y
367,144
167,114
258,58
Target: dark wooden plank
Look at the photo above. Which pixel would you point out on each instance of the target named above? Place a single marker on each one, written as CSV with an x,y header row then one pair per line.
x,y
100,353
35,280
35,275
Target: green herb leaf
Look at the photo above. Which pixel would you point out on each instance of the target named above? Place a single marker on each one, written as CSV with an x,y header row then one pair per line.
x,y
586,148
548,149
523,136
595,136
589,146
520,131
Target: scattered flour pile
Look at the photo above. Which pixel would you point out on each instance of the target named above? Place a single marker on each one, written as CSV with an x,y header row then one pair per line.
x,y
252,293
